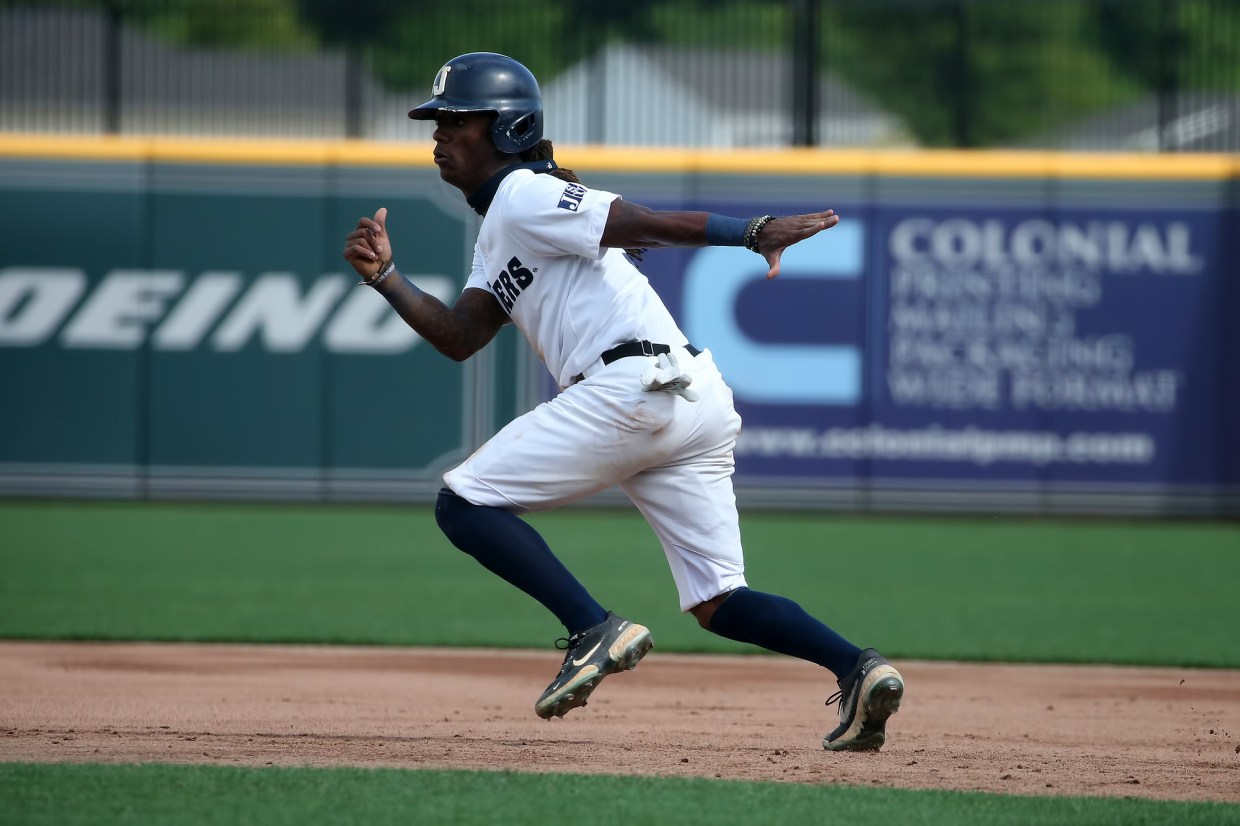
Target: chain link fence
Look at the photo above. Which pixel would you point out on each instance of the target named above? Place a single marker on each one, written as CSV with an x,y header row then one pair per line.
x,y
1127,75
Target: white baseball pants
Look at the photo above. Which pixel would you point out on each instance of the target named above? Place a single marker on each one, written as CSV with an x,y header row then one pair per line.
x,y
673,458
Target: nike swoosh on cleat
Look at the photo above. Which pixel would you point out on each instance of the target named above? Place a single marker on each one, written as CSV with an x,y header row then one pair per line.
x,y
589,654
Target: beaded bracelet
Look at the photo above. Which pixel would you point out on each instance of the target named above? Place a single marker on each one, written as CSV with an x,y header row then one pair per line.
x,y
384,271
755,227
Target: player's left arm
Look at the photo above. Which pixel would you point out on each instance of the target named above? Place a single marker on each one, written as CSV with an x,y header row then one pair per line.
x,y
633,225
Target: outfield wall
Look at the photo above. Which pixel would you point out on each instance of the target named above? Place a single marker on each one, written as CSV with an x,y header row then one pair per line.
x,y
1009,332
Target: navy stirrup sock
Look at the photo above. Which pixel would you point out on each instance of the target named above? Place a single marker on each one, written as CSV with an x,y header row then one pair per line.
x,y
512,550
780,625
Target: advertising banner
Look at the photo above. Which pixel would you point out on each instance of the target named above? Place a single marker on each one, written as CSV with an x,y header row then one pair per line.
x,y
179,327
205,328
1023,346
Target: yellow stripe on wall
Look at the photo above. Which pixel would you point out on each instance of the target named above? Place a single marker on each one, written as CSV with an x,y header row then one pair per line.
x,y
895,163
921,163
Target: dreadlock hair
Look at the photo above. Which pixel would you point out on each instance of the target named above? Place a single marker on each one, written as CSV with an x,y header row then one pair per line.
x,y
544,151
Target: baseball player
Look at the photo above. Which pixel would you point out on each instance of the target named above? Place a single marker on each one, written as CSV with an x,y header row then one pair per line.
x,y
639,406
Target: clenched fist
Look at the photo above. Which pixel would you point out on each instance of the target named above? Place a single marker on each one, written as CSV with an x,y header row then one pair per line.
x,y
367,247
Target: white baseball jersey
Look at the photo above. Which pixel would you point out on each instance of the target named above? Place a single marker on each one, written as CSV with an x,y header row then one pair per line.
x,y
538,253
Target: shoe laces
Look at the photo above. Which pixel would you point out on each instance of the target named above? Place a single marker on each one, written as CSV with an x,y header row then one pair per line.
x,y
846,686
566,643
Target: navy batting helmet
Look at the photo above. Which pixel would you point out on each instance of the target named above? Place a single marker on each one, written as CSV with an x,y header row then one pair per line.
x,y
489,82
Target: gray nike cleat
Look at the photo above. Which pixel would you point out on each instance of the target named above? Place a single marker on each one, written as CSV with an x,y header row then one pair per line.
x,y
868,695
615,644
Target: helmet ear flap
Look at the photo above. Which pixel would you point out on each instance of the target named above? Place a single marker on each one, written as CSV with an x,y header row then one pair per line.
x,y
524,125
514,133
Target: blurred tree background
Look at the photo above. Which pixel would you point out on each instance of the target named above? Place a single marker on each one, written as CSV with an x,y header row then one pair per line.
x,y
968,73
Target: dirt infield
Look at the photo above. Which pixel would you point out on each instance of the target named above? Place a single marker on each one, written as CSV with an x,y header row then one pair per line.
x,y
1061,730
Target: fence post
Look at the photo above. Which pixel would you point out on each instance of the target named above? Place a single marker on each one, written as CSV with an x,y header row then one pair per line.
x,y
1167,55
112,70
804,72
596,96
353,74
965,133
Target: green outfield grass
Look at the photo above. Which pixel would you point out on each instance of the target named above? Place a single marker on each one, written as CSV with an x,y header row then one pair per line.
x,y
1159,593
65,795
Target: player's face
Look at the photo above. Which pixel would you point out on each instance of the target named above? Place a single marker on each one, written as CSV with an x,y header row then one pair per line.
x,y
464,153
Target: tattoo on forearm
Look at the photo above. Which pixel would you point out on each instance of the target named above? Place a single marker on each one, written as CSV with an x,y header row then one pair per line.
x,y
429,317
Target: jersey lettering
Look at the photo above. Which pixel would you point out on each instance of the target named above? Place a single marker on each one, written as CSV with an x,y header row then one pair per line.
x,y
505,282
511,283
520,274
571,199
502,295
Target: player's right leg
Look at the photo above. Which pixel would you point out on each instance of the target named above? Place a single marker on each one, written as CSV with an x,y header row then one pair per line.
x,y
615,644
599,642
584,440
510,548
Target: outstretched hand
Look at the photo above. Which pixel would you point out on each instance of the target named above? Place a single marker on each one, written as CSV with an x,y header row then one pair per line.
x,y
368,247
781,233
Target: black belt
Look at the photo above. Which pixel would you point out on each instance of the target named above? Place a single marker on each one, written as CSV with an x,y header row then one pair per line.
x,y
635,348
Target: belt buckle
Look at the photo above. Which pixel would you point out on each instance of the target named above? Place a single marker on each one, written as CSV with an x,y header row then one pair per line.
x,y
647,347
